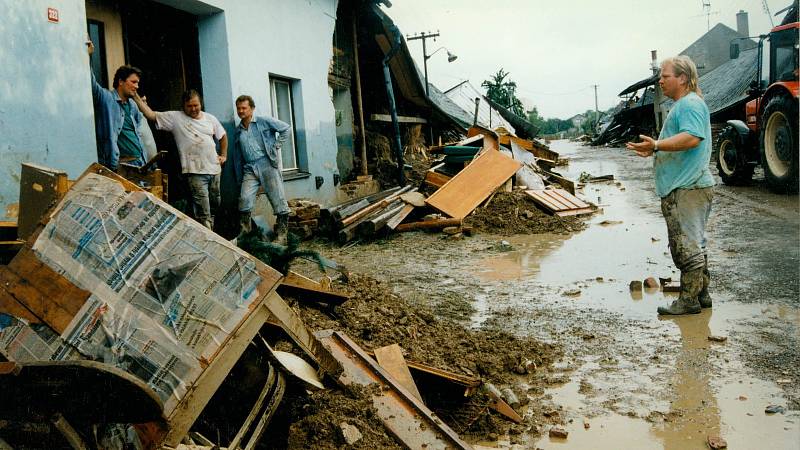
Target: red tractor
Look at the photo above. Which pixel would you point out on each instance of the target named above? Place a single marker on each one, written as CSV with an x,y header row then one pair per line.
x,y
769,133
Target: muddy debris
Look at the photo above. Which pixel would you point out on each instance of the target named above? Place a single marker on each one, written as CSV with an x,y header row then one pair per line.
x,y
558,432
716,442
515,212
374,317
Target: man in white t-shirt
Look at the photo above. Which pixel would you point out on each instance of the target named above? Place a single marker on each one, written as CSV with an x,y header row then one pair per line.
x,y
196,134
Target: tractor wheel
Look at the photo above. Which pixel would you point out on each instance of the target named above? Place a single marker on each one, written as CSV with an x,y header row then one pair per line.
x,y
731,156
779,144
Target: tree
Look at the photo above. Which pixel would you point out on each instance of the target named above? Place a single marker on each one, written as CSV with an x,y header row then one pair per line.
x,y
503,92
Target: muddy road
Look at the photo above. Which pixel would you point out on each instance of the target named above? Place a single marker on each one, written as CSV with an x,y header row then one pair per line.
x,y
628,379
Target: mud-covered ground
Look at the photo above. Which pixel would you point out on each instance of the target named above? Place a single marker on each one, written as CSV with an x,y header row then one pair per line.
x,y
625,378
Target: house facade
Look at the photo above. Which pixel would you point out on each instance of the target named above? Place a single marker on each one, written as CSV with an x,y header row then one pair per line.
x,y
278,52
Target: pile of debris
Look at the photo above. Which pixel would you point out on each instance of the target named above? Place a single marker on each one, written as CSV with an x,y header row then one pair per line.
x,y
115,288
462,181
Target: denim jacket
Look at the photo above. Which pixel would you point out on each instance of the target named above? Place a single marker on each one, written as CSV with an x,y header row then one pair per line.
x,y
108,120
267,127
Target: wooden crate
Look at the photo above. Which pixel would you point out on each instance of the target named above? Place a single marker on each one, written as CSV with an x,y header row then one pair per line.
x,y
559,202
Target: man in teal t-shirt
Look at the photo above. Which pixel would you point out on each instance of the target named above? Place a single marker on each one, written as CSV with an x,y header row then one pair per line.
x,y
683,181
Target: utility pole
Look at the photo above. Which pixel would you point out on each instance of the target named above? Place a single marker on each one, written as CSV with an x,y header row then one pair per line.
x,y
657,90
596,111
423,35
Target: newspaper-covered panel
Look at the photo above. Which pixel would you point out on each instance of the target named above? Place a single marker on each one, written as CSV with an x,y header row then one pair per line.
x,y
129,248
128,339
24,342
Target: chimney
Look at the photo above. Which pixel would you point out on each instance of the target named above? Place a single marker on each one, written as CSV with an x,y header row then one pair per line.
x,y
742,26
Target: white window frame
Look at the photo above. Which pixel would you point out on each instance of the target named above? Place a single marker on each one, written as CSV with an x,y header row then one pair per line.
x,y
273,81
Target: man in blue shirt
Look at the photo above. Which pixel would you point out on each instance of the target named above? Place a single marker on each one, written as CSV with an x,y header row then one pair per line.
x,y
257,163
117,119
683,181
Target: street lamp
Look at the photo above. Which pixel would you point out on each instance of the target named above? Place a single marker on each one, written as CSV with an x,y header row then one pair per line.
x,y
450,57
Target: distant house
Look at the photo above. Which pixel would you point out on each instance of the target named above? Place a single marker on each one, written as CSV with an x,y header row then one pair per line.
x,y
577,121
711,50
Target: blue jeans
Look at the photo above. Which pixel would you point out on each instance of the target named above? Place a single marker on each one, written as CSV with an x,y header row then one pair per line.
x,y
686,212
205,197
261,173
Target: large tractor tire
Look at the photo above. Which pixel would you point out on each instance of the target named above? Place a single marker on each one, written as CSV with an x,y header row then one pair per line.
x,y
731,156
779,144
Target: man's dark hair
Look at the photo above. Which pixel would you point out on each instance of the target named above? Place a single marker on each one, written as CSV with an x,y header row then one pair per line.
x,y
124,72
190,94
246,98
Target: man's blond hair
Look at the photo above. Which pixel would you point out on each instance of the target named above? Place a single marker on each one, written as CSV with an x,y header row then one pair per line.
x,y
683,65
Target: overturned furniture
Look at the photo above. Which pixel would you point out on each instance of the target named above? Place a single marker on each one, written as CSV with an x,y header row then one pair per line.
x,y
154,300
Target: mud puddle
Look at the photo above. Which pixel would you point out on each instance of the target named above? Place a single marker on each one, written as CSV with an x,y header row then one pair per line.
x,y
634,380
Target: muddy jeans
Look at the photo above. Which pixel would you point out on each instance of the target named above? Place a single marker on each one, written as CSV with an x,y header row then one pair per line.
x,y
205,197
686,212
261,173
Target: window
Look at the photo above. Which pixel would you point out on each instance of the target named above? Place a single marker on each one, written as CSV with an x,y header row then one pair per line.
x,y
97,61
283,109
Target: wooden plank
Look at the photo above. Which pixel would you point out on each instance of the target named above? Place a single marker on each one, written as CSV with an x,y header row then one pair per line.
x,y
562,205
9,305
569,185
574,212
490,141
470,187
40,188
436,179
534,147
307,289
407,418
401,119
571,199
399,217
543,200
473,140
429,225
48,295
391,359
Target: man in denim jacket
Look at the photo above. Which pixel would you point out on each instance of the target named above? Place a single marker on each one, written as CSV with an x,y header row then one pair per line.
x,y
117,119
257,163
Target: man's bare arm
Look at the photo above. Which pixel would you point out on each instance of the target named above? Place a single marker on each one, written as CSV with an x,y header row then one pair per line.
x,y
149,113
678,143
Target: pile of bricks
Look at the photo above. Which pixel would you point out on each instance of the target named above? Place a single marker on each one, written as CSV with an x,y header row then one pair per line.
x,y
304,218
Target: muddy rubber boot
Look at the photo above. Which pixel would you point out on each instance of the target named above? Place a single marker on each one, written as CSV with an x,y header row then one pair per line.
x,y
687,303
281,229
245,222
704,297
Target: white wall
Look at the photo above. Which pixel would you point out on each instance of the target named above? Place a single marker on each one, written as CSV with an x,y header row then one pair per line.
x,y
46,114
290,39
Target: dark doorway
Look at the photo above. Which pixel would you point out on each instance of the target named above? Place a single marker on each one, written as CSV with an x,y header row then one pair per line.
x,y
163,42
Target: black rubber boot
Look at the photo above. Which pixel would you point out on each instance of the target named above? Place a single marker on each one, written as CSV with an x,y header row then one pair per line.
x,y
281,228
687,302
245,222
704,297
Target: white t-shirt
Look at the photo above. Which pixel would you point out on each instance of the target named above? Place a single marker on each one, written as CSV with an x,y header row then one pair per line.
x,y
194,138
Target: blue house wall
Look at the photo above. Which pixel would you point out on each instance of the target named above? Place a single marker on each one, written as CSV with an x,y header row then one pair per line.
x,y
46,114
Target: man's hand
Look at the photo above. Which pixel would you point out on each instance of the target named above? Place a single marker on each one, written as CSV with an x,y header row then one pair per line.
x,y
644,148
221,159
89,47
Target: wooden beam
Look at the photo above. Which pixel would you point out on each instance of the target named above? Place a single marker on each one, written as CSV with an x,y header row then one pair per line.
x,y
436,179
307,289
401,119
436,224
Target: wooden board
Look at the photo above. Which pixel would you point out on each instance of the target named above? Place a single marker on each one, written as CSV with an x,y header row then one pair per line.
x,y
559,202
399,217
39,189
400,119
391,359
470,187
534,147
306,289
436,179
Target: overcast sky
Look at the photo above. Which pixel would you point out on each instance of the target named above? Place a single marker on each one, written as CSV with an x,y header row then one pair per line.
x,y
556,50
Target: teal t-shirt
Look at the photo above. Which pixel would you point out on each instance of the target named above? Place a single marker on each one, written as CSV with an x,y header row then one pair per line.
x,y
128,141
686,169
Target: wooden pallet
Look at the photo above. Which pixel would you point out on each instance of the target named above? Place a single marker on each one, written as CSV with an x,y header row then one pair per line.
x,y
559,202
